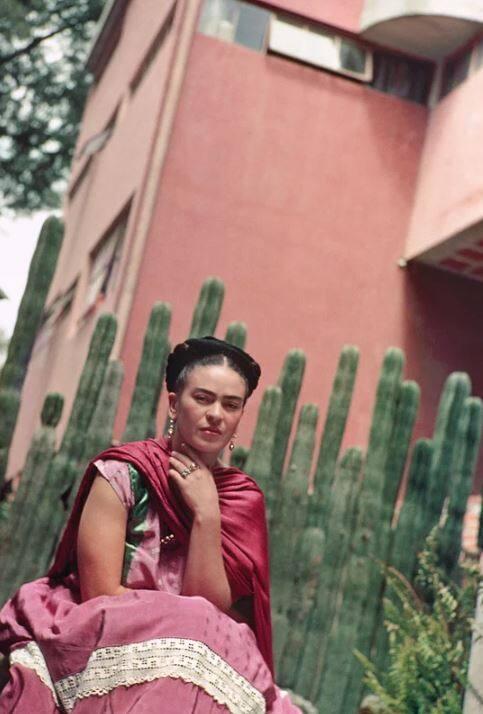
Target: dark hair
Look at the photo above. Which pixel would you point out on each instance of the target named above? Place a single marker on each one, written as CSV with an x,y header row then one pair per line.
x,y
206,361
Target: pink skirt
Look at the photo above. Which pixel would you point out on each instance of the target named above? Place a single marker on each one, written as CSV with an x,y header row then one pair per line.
x,y
143,651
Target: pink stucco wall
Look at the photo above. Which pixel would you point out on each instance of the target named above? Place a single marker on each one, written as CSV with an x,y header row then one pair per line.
x,y
295,187
449,198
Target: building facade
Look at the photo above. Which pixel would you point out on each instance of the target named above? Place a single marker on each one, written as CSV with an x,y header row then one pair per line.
x,y
322,159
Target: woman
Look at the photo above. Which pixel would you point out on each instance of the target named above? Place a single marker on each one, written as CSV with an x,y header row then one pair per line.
x,y
158,599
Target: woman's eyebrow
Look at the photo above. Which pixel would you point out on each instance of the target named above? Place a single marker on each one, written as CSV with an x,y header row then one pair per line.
x,y
213,394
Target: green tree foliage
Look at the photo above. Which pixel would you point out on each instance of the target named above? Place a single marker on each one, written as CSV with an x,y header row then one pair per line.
x,y
43,84
430,630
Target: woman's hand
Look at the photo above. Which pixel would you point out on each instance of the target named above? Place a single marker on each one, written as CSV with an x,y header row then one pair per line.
x,y
197,488
205,573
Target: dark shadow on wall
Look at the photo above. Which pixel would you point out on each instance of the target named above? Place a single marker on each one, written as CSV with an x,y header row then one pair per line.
x,y
443,333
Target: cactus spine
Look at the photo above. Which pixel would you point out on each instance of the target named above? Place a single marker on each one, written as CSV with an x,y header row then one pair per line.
x,y
28,322
150,374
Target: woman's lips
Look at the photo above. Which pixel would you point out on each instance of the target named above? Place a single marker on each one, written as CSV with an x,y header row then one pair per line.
x,y
211,432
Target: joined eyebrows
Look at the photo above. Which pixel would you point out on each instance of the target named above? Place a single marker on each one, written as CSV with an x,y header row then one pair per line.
x,y
233,397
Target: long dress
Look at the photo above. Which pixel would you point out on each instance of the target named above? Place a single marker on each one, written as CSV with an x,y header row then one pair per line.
x,y
147,650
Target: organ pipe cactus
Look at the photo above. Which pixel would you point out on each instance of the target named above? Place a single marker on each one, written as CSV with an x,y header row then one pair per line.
x,y
259,461
90,382
150,374
306,574
30,491
466,453
289,520
208,308
333,432
363,572
307,671
99,434
236,334
21,343
412,518
456,390
290,382
9,407
66,468
406,406
403,542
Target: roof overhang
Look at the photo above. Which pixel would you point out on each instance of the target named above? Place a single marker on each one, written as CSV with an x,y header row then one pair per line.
x,y
427,28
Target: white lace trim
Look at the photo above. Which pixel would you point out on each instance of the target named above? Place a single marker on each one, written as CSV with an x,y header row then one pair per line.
x,y
31,657
125,665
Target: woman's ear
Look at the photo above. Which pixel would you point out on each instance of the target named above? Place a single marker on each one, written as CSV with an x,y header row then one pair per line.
x,y
173,404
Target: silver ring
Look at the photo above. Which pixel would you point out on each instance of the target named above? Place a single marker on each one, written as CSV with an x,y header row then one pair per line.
x,y
192,467
184,473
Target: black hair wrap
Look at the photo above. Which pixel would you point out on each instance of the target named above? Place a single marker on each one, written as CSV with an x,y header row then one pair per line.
x,y
196,348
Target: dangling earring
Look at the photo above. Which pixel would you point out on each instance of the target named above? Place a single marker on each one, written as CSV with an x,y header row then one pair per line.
x,y
231,445
171,424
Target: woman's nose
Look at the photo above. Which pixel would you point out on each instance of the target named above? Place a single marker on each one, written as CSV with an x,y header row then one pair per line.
x,y
214,411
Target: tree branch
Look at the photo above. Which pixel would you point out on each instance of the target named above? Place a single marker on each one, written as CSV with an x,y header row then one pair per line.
x,y
35,42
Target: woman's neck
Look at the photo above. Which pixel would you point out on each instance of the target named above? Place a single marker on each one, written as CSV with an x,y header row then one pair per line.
x,y
210,459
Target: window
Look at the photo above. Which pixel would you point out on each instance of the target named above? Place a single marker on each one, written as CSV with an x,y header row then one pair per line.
x,y
235,21
91,147
96,142
296,38
80,179
404,77
319,47
53,315
105,259
153,50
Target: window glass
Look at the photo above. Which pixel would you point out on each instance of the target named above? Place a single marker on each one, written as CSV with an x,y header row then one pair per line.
x,y
234,21
252,26
105,261
219,18
401,76
352,57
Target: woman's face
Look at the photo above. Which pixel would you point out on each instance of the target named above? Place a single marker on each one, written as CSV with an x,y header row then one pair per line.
x,y
209,407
